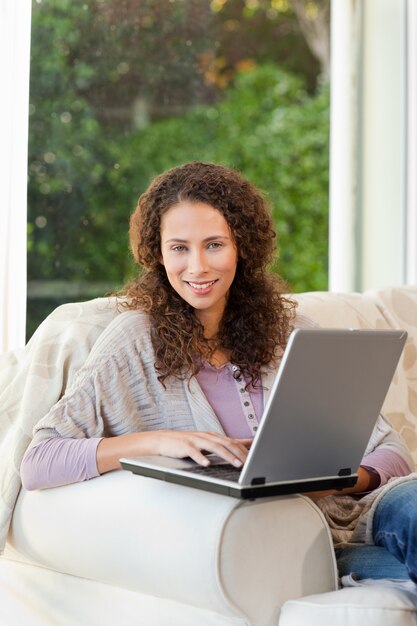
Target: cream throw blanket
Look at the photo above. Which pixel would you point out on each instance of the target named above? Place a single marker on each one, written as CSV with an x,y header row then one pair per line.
x,y
34,378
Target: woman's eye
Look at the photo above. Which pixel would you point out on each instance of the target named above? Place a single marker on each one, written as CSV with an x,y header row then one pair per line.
x,y
178,248
214,245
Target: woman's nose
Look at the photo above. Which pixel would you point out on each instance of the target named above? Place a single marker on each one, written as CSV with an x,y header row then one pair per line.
x,y
198,263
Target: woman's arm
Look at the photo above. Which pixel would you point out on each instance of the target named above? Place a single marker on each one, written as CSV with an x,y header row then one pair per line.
x,y
387,462
60,461
367,481
376,469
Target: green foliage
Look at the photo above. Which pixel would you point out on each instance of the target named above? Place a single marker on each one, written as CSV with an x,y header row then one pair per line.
x,y
67,153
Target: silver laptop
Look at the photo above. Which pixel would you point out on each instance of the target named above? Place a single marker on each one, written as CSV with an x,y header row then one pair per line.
x,y
321,411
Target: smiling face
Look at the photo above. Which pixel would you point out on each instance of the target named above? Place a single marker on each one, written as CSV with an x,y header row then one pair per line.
x,y
200,258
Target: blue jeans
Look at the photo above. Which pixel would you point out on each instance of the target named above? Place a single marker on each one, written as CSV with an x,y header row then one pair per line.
x,y
394,530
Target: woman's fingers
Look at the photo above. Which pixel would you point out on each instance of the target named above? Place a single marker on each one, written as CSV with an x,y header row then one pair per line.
x,y
228,450
246,442
193,444
224,447
198,457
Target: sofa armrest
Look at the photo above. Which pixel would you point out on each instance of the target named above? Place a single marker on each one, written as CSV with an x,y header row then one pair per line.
x,y
198,548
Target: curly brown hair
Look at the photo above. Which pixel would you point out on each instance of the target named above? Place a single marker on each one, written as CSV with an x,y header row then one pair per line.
x,y
257,319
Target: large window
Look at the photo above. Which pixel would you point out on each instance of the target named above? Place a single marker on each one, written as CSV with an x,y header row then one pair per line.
x,y
122,90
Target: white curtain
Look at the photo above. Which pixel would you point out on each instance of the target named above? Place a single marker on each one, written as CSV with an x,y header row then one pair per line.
x,y
15,17
411,258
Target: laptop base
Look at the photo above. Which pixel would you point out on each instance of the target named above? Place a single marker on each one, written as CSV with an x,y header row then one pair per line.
x,y
243,492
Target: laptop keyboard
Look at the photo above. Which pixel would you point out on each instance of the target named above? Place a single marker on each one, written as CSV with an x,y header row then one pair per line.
x,y
225,471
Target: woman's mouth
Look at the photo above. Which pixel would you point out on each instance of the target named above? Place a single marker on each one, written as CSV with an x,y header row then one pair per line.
x,y
201,288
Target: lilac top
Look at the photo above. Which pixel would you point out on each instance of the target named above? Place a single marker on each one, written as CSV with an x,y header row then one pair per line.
x,y
238,410
59,461
386,463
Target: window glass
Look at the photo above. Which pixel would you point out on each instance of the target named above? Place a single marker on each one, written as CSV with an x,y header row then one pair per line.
x,y
122,90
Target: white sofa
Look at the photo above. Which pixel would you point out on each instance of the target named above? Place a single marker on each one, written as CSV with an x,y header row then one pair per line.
x,y
122,550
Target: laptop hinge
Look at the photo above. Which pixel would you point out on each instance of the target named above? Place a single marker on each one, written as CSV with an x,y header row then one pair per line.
x,y
258,481
345,471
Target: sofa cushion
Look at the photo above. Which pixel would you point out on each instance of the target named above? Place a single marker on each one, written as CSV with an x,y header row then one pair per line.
x,y
370,606
341,310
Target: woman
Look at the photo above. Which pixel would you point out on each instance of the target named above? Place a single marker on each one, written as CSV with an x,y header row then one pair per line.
x,y
165,377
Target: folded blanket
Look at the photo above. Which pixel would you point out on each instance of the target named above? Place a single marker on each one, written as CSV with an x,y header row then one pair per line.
x,y
34,379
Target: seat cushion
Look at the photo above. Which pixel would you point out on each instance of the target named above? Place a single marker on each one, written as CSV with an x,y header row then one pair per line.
x,y
364,606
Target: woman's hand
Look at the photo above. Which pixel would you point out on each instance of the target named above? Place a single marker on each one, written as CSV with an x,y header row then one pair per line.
x,y
184,443
174,443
